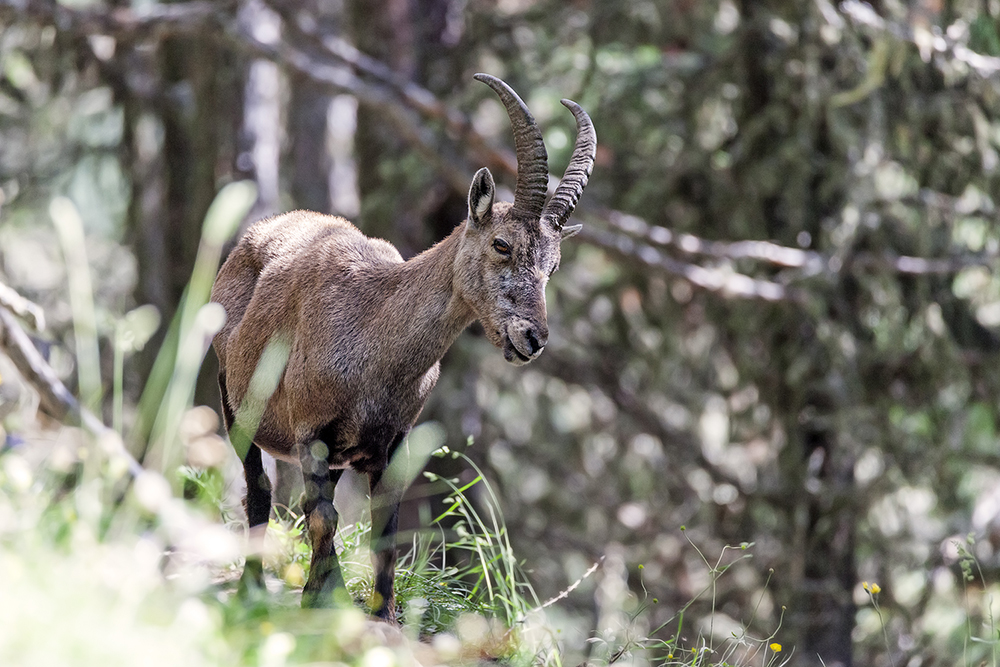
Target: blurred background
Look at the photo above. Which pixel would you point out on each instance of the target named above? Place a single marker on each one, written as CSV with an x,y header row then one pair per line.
x,y
779,329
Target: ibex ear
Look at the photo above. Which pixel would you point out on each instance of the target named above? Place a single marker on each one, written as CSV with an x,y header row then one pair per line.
x,y
481,196
570,231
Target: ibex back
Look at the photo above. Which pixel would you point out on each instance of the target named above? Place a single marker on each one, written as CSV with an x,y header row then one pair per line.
x,y
367,331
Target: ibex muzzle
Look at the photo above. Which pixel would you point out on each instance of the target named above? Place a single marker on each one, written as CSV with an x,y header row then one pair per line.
x,y
366,332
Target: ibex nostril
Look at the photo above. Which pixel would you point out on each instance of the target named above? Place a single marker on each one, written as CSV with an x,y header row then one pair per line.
x,y
534,345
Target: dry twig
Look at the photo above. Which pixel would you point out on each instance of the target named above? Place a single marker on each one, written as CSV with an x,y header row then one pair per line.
x,y
23,308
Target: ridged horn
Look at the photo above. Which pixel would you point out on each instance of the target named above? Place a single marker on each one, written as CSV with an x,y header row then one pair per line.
x,y
532,160
561,206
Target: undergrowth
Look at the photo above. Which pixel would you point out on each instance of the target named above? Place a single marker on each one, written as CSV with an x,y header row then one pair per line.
x,y
89,560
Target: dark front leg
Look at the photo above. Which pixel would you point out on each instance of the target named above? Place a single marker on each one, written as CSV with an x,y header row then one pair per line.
x,y
385,521
320,482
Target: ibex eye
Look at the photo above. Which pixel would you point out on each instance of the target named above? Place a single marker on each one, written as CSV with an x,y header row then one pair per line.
x,y
502,247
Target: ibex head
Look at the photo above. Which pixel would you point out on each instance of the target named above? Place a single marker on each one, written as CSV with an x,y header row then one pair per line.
x,y
510,250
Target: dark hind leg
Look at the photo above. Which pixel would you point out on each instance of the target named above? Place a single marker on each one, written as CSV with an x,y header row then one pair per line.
x,y
258,507
320,482
257,502
385,522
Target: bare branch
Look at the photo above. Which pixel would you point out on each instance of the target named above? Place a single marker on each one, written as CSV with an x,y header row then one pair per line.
x,y
693,245
341,79
810,261
920,266
722,280
861,13
157,18
409,93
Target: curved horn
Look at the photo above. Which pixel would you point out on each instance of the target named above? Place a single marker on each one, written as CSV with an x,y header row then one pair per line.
x,y
532,160
559,208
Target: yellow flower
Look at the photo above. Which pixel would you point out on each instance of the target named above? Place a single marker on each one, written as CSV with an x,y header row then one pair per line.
x,y
776,647
875,589
871,588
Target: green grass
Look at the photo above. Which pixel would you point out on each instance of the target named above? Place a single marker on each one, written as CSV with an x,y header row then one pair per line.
x,y
88,565
674,644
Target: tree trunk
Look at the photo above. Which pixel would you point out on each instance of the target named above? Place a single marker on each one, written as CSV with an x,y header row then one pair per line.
x,y
381,29
180,149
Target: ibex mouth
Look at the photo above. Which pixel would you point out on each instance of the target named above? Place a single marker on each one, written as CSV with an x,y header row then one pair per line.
x,y
512,354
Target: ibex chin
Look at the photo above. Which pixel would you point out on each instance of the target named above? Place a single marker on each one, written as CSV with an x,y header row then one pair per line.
x,y
367,331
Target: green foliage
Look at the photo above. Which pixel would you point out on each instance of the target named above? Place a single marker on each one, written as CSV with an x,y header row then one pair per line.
x,y
97,570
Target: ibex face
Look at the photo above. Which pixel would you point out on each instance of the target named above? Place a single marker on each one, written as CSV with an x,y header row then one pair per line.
x,y
514,258
510,250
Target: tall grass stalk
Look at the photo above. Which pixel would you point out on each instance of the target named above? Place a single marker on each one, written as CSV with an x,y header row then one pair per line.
x,y
971,572
132,332
740,648
69,228
196,322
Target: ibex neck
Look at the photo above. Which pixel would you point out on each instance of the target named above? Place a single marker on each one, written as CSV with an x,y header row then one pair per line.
x,y
428,315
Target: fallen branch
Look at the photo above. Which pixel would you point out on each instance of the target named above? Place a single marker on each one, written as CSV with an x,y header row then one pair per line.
x,y
26,310
187,531
56,399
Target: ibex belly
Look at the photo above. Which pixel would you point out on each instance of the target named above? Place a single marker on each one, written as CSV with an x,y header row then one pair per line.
x,y
357,426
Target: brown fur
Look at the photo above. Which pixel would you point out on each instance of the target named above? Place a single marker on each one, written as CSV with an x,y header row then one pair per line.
x,y
367,332
368,329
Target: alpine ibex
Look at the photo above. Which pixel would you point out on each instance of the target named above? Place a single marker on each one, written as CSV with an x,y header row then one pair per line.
x,y
367,332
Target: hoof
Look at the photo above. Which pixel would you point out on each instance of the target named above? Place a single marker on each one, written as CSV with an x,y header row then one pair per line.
x,y
383,610
325,594
387,616
317,600
252,580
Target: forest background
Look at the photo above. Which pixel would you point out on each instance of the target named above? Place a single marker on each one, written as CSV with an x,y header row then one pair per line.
x,y
780,327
